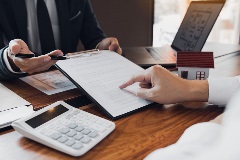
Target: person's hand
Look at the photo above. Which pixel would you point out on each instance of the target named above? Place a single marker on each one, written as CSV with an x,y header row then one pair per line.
x,y
161,86
218,119
29,65
110,44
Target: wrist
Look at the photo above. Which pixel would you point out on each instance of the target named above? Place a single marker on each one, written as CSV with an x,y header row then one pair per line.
x,y
197,90
10,60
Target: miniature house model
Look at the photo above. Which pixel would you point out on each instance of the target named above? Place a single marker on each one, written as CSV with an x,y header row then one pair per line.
x,y
194,65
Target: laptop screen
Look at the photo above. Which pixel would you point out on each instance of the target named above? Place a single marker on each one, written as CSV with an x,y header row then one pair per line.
x,y
197,25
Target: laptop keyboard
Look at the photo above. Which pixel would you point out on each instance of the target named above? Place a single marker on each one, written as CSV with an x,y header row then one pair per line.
x,y
161,54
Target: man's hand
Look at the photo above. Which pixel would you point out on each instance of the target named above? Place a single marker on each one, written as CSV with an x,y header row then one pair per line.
x,y
218,119
161,86
110,44
29,65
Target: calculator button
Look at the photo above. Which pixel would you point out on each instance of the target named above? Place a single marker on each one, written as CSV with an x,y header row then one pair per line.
x,y
98,128
74,118
63,139
86,116
86,131
70,142
51,125
93,119
93,134
78,136
72,125
86,123
79,128
100,121
56,127
76,112
71,133
56,136
64,130
81,113
81,121
77,145
69,116
64,122
85,139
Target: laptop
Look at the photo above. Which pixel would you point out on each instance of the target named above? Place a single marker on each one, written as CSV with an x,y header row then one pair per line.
x,y
191,36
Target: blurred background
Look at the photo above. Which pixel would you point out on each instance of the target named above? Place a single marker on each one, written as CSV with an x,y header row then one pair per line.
x,y
155,22
168,15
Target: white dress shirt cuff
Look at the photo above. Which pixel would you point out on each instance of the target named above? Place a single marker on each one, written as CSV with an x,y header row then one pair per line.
x,y
5,58
97,45
222,89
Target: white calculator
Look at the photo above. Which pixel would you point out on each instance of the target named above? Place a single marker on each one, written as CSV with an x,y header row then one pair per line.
x,y
64,128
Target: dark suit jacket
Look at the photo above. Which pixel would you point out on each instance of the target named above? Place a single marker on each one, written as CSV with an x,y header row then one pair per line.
x,y
76,22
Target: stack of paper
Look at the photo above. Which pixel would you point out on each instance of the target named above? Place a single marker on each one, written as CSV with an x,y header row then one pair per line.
x,y
12,107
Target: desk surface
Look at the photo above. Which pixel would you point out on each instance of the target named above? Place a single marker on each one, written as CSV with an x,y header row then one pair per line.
x,y
135,136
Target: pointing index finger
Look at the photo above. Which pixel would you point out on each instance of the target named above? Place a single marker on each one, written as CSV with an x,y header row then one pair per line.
x,y
135,78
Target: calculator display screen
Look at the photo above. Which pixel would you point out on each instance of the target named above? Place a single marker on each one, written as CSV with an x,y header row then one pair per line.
x,y
46,116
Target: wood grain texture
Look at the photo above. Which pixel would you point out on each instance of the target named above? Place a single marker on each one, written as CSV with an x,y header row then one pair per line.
x,y
135,136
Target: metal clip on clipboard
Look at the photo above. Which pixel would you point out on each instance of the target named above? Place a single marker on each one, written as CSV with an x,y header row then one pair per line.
x,y
86,53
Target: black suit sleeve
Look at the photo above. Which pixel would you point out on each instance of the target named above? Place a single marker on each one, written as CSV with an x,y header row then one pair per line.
x,y
5,74
91,33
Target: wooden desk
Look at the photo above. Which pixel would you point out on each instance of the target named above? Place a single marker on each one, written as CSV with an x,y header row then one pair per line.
x,y
135,136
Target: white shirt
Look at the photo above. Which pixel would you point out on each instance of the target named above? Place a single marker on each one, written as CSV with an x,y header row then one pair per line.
x,y
32,28
208,140
222,89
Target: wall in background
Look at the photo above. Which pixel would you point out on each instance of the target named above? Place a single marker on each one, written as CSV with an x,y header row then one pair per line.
x,y
131,21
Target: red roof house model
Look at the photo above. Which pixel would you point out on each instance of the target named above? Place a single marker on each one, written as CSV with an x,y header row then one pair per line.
x,y
195,59
194,65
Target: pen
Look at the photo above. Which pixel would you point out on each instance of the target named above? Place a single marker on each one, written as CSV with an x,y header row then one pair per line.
x,y
22,55
53,57
58,57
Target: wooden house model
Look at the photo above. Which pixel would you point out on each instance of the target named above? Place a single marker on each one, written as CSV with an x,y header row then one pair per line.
x,y
194,65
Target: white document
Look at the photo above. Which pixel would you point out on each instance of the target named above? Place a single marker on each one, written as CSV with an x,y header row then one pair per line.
x,y
11,115
12,107
49,82
100,74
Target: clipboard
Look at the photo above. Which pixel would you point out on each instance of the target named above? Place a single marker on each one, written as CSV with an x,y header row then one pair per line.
x,y
99,58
